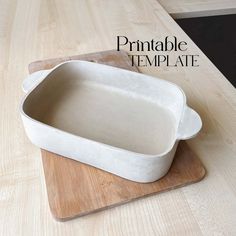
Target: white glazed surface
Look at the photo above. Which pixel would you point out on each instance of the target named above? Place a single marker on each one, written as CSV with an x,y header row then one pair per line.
x,y
123,122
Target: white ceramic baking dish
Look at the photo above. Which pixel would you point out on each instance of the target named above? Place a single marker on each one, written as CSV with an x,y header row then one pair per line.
x,y
120,121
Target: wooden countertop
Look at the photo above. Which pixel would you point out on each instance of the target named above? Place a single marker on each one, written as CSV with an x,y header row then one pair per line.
x,y
31,30
195,8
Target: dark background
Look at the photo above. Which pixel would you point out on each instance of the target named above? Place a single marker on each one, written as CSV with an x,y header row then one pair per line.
x,y
216,37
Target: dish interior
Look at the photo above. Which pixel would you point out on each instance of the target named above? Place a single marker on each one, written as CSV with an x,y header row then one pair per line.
x,y
104,113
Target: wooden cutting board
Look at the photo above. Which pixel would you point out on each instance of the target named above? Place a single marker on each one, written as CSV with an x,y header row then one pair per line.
x,y
76,189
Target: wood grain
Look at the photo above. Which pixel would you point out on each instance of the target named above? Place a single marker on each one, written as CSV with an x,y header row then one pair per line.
x,y
194,8
111,57
40,29
76,189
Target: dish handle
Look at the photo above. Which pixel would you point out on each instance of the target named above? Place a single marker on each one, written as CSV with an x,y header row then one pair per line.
x,y
190,124
34,79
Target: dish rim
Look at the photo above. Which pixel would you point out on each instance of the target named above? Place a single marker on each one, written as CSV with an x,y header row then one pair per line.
x,y
159,155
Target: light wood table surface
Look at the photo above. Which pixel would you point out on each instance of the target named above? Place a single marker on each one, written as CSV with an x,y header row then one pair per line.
x,y
198,8
32,30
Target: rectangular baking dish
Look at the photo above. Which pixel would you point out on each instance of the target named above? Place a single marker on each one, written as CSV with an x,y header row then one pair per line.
x,y
123,122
